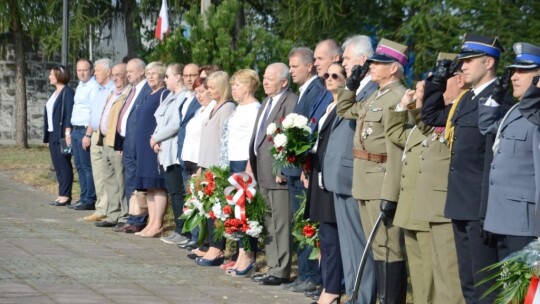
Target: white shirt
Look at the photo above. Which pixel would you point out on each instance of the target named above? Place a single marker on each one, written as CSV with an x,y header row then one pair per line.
x,y
490,102
84,95
192,141
275,99
190,96
138,89
50,107
363,83
240,127
321,123
303,88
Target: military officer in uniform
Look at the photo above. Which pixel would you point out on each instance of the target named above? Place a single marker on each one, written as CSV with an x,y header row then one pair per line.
x,y
377,166
403,128
470,154
511,201
432,184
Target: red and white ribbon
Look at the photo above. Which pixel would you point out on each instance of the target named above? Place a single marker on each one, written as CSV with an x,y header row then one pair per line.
x,y
533,293
244,185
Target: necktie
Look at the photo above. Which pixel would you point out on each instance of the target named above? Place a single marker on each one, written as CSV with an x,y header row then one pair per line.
x,y
124,110
263,121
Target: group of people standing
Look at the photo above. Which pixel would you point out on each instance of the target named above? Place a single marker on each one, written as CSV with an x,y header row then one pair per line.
x,y
449,168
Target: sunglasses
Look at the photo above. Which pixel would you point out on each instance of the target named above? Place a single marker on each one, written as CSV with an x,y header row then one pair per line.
x,y
333,75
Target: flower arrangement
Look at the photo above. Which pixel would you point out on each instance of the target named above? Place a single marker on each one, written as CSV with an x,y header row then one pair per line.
x,y
305,231
245,209
233,204
204,199
292,139
516,277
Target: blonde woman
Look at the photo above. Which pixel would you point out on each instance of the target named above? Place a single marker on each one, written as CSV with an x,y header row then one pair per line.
x,y
220,91
235,149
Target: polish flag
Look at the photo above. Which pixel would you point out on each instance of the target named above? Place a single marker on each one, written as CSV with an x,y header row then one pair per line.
x,y
162,27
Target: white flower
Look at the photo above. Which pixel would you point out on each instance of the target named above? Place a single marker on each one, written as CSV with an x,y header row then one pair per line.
x,y
288,123
255,229
200,194
198,205
306,128
271,129
218,212
300,121
188,212
280,140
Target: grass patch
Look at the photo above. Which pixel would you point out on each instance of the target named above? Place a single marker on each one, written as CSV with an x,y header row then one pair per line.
x,y
32,167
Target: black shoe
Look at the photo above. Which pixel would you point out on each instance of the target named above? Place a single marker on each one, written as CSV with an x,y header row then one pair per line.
x,y
317,292
258,277
105,224
193,256
272,281
84,207
77,203
59,204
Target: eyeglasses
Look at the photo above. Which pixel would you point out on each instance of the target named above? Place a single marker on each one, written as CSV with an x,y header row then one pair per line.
x,y
333,75
190,75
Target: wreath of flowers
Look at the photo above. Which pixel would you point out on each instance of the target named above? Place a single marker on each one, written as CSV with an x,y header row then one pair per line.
x,y
516,277
292,139
305,231
204,199
234,205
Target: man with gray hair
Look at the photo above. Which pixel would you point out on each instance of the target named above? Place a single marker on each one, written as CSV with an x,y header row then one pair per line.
x,y
326,53
338,176
102,73
377,166
280,102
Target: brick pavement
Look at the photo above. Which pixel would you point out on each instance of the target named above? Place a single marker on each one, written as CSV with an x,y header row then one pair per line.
x,y
49,255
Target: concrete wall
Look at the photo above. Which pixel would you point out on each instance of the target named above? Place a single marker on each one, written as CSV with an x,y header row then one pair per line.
x,y
37,88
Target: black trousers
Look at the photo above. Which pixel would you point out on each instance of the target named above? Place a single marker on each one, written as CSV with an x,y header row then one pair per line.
x,y
175,186
508,244
331,264
473,255
63,168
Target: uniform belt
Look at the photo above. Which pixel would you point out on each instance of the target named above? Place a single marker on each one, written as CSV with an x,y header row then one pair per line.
x,y
361,154
78,127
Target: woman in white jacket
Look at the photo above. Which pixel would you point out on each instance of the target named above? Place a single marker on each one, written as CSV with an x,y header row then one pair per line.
x,y
164,143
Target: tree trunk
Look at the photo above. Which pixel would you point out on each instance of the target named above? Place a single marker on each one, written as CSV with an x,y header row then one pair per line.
x,y
132,22
21,134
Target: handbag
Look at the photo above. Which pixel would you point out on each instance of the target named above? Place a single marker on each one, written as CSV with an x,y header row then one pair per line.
x,y
65,149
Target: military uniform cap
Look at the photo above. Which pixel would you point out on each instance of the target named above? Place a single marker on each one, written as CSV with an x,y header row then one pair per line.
x,y
389,51
527,56
477,45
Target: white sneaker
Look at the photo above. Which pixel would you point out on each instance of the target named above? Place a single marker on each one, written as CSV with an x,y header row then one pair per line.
x,y
175,239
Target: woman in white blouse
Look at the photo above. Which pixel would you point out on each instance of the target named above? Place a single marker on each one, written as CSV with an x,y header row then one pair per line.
x,y
235,149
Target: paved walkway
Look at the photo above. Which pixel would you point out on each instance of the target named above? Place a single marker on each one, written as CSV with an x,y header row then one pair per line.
x,y
49,255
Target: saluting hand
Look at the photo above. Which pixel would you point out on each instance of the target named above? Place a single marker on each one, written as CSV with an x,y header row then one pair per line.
x,y
501,86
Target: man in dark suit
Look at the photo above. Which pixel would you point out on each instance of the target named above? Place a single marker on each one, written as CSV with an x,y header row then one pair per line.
x,y
338,172
312,103
470,154
278,104
126,128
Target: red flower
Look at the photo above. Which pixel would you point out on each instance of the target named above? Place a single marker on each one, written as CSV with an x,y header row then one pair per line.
x,y
291,159
227,209
279,149
318,244
209,176
212,215
308,231
209,189
312,120
270,139
281,119
278,130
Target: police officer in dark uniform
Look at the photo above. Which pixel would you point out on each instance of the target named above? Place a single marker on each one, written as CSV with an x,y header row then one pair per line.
x,y
471,154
